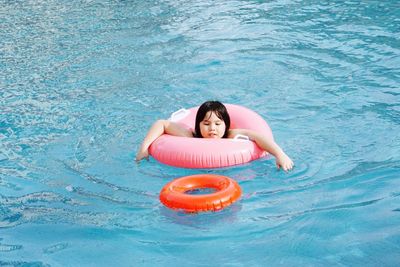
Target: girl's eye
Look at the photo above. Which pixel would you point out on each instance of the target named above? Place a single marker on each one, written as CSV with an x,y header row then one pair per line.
x,y
218,123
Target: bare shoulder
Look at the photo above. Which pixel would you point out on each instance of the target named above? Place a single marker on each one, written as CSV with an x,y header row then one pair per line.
x,y
233,132
177,129
247,132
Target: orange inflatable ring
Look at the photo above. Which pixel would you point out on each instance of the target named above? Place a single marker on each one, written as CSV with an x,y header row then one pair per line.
x,y
174,194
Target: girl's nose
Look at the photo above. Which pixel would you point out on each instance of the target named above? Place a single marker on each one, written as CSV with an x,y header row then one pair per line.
x,y
212,126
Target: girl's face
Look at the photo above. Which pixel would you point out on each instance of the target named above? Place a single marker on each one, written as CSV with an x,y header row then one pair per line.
x,y
212,126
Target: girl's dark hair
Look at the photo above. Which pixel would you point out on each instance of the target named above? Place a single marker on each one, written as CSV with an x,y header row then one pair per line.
x,y
216,107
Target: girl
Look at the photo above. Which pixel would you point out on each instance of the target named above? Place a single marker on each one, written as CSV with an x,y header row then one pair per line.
x,y
212,121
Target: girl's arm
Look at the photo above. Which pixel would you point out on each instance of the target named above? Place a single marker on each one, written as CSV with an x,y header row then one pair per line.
x,y
159,128
282,160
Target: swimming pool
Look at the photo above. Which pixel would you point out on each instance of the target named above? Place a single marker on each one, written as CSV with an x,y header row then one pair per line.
x,y
81,82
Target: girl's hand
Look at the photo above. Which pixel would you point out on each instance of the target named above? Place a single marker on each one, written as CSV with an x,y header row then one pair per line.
x,y
284,162
141,154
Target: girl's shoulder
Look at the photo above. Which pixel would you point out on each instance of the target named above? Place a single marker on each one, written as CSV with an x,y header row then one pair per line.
x,y
178,129
233,132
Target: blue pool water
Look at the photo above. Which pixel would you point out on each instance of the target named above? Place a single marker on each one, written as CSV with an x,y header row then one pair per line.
x,y
82,81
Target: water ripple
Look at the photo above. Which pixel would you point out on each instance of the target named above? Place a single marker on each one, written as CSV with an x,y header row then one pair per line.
x,y
34,198
9,248
55,248
96,180
358,174
23,263
290,216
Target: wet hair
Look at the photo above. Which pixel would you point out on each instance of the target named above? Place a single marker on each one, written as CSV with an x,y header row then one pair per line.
x,y
218,109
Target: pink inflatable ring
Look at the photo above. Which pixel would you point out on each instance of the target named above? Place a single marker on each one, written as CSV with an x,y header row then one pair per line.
x,y
189,152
